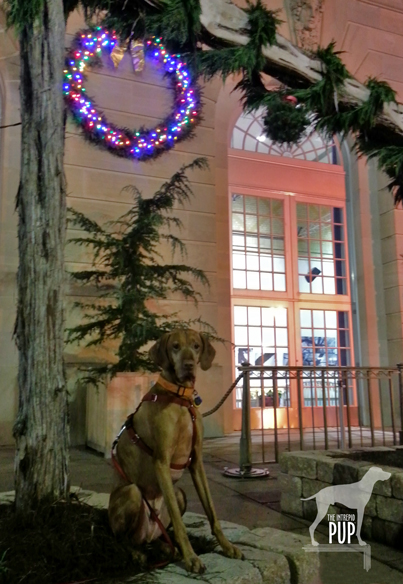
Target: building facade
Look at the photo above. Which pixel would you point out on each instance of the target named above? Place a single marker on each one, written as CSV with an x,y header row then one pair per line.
x,y
302,246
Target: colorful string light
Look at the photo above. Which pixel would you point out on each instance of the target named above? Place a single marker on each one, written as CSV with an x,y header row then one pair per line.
x,y
137,144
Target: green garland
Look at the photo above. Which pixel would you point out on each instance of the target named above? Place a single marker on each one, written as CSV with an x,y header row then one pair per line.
x,y
178,22
283,122
248,59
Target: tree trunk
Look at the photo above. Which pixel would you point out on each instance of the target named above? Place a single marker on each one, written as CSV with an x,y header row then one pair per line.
x,y
41,429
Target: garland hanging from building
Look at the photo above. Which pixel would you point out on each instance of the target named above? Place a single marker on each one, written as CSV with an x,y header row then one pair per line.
x,y
140,144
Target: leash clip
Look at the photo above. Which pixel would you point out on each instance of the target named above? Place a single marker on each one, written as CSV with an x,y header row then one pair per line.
x,y
136,438
154,397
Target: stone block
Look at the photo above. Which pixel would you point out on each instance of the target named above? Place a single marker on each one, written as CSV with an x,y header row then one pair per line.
x,y
273,567
309,509
311,487
198,525
387,532
219,570
397,484
370,507
389,509
345,472
292,505
304,567
283,461
325,468
302,465
366,528
383,488
290,484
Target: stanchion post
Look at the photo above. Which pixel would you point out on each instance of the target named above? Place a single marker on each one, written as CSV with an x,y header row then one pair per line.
x,y
400,367
245,461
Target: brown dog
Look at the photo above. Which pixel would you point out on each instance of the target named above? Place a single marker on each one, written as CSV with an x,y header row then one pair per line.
x,y
166,432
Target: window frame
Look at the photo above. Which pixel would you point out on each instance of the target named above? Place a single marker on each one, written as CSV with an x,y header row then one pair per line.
x,y
292,299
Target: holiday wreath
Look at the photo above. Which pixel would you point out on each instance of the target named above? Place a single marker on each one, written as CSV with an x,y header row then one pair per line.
x,y
141,144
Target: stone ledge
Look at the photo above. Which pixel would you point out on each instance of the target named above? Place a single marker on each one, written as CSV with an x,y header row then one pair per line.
x,y
271,556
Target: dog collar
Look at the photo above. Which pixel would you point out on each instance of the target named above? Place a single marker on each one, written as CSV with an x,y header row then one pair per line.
x,y
179,390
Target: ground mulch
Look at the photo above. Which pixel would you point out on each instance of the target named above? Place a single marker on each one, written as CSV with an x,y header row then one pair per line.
x,y
66,543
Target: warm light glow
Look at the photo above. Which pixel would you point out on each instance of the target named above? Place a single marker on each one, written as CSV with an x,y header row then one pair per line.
x,y
124,142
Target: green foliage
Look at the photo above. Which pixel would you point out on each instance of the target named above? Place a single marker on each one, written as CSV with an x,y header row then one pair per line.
x,y
22,13
246,59
178,24
322,97
128,274
283,122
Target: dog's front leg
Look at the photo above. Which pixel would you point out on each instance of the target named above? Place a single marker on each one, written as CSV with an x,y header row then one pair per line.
x,y
201,485
163,473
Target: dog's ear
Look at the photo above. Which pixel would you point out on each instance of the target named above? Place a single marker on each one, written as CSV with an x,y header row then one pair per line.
x,y
159,352
207,354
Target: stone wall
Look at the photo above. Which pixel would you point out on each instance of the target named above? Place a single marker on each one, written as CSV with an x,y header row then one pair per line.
x,y
305,473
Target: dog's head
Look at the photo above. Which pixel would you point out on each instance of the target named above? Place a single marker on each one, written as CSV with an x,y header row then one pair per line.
x,y
179,352
377,474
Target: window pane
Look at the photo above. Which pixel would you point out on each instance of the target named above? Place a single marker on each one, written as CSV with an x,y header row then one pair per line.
x,y
237,222
264,206
240,315
321,240
252,261
254,315
239,279
262,341
238,261
265,262
279,282
253,232
252,280
268,316
237,203
266,281
241,335
250,205
251,223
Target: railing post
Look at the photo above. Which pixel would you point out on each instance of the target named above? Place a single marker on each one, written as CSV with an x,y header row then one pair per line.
x,y
275,398
245,461
400,367
299,395
341,414
245,469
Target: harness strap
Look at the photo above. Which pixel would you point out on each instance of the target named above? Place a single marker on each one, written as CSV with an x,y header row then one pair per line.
x,y
153,397
153,514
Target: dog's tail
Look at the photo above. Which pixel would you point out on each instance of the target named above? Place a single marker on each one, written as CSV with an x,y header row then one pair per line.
x,y
309,498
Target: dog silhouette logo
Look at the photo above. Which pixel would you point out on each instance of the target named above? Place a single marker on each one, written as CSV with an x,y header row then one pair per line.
x,y
353,495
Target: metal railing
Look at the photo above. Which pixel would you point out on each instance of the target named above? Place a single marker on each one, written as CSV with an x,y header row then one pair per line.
x,y
319,408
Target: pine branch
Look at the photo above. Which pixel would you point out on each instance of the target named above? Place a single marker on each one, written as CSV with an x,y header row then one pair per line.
x,y
125,253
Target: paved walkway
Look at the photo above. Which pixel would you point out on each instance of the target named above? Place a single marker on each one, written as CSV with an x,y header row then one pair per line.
x,y
253,503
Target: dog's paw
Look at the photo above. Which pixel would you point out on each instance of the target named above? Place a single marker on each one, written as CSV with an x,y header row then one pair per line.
x,y
194,564
231,551
314,543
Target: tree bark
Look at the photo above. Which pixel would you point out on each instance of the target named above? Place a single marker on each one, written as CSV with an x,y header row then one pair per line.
x,y
41,429
228,23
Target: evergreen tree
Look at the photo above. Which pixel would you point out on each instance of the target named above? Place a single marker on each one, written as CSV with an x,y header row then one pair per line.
x,y
129,272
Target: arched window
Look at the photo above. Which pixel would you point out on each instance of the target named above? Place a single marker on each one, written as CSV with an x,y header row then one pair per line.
x,y
248,134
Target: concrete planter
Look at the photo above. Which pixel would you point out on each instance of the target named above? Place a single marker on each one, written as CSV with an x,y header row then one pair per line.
x,y
108,407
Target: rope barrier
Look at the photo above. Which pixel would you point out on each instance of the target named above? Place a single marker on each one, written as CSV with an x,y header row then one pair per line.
x,y
222,400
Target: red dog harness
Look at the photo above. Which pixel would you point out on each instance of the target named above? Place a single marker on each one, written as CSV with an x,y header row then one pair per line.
x,y
139,442
161,398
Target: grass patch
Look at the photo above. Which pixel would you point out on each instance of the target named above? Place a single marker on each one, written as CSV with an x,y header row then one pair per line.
x,y
68,542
